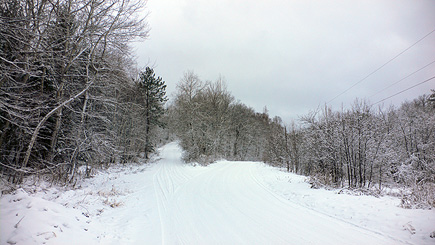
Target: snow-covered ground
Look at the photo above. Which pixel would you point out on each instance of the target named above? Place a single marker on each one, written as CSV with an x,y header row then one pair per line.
x,y
170,202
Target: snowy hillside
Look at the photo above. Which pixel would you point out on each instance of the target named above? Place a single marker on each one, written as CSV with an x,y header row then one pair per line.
x,y
170,202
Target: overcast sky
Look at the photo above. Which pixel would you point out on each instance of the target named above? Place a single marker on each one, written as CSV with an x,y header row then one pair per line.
x,y
293,56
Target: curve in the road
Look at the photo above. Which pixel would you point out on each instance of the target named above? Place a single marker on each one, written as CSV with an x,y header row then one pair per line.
x,y
226,203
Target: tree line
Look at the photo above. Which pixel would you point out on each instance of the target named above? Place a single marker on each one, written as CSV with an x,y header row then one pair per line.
x,y
71,96
363,146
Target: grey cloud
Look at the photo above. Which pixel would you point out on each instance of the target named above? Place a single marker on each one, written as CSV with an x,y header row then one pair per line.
x,y
292,56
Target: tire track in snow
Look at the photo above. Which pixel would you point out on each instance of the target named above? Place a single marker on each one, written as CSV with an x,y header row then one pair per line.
x,y
160,199
167,180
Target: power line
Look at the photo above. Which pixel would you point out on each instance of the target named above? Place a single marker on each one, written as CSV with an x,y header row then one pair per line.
x,y
402,79
373,72
425,81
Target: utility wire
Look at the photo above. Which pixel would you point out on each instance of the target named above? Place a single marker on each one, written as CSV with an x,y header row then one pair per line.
x,y
402,79
373,72
425,81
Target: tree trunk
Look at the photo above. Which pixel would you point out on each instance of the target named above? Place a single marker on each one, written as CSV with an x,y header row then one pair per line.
x,y
57,125
235,144
147,127
3,134
287,153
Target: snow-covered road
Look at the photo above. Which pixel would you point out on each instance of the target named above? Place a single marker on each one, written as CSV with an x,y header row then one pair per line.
x,y
170,202
227,203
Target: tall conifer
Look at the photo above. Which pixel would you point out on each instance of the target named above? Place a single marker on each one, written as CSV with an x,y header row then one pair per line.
x,y
153,91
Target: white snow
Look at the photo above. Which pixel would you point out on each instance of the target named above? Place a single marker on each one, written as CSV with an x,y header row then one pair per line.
x,y
170,202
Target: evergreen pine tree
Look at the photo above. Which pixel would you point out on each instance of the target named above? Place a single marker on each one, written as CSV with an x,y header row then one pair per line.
x,y
153,92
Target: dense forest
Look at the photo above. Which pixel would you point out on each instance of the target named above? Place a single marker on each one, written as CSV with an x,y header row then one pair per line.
x,y
72,99
70,93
